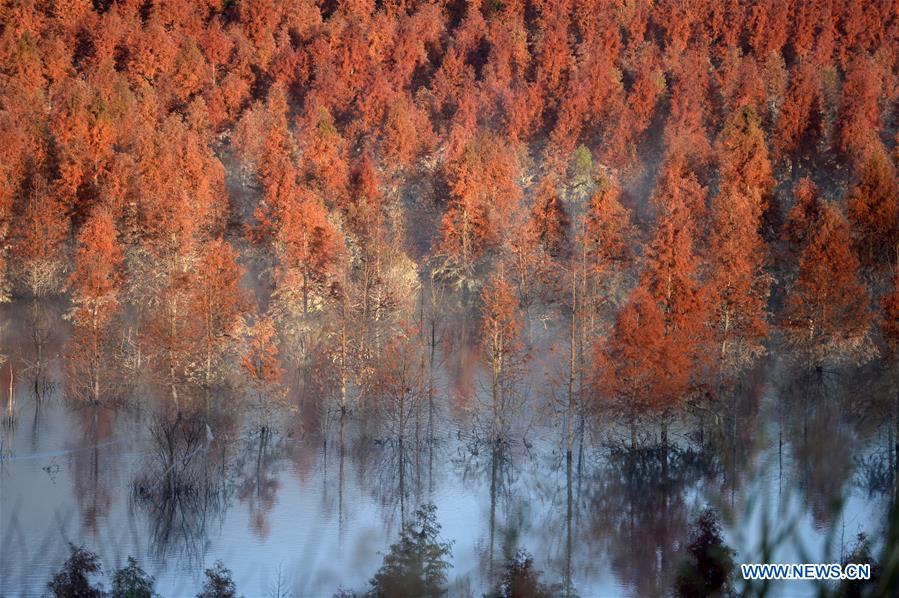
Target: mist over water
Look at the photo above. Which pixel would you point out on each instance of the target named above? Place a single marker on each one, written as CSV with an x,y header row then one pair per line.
x,y
315,500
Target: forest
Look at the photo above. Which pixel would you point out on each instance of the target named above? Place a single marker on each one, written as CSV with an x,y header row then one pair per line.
x,y
570,226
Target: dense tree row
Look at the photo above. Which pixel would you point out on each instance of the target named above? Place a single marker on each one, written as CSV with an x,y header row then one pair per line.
x,y
302,194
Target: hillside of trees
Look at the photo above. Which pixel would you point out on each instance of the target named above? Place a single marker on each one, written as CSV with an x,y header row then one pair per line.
x,y
330,203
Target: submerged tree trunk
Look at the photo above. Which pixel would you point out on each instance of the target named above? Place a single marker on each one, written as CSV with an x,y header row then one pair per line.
x,y
11,398
572,367
895,439
493,488
340,457
568,526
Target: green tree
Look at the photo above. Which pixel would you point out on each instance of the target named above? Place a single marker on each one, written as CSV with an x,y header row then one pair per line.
x,y
861,555
132,582
522,580
707,570
417,564
218,583
72,581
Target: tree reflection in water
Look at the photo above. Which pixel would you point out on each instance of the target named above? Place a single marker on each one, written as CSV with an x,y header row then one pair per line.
x,y
611,517
183,485
258,480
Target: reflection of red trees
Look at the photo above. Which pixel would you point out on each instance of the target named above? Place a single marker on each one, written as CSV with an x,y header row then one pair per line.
x,y
94,466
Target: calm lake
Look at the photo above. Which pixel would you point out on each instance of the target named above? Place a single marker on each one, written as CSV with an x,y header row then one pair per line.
x,y
799,462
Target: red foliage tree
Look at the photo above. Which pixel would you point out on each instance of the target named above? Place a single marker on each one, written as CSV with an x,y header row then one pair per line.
x,y
218,301
84,127
826,317
647,87
859,118
872,206
605,250
802,220
685,129
17,148
504,353
737,282
95,284
607,230
553,57
801,119
483,190
310,252
324,159
671,278
549,221
634,365
39,233
768,26
261,364
171,168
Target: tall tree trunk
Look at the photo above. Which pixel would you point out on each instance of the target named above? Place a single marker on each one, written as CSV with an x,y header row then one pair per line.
x,y
95,357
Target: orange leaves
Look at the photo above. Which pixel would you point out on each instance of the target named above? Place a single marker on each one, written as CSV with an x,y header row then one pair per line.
x,y
607,232
504,352
218,299
632,366
96,278
669,297
38,234
85,125
738,249
483,190
801,119
554,56
500,327
826,316
356,122
890,316
260,362
308,238
549,220
311,250
802,221
859,120
324,158
406,134
94,284
182,184
873,210
685,129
